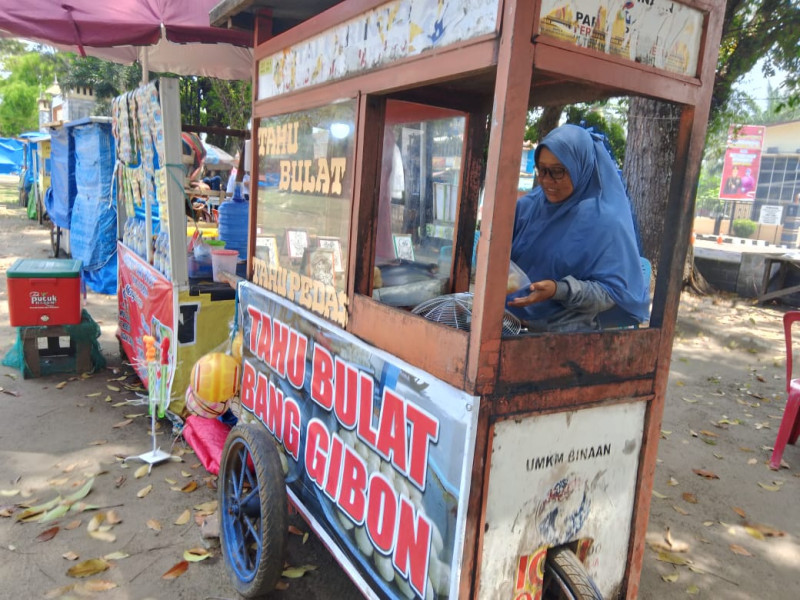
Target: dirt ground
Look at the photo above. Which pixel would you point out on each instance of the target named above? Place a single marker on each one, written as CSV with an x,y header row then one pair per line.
x,y
736,536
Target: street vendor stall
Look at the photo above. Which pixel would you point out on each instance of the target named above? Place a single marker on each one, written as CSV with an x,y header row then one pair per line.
x,y
455,455
163,291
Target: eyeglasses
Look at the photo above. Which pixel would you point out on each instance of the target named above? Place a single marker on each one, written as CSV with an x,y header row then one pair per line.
x,y
554,173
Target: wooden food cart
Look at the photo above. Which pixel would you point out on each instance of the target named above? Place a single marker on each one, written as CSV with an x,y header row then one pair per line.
x,y
460,458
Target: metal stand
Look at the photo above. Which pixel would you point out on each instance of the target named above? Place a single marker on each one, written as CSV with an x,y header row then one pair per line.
x,y
156,455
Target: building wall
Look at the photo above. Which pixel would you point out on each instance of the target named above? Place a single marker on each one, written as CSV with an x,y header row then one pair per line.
x,y
785,137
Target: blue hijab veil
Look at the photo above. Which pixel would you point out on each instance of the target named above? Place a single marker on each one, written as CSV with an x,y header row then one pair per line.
x,y
590,235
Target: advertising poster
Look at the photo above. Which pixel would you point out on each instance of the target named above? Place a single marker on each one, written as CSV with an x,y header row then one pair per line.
x,y
560,478
145,307
742,161
378,453
660,33
387,33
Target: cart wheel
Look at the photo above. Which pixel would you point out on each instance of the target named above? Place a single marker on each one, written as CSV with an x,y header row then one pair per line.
x,y
565,578
253,511
55,239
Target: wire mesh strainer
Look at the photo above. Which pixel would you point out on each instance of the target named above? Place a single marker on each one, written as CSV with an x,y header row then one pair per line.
x,y
455,310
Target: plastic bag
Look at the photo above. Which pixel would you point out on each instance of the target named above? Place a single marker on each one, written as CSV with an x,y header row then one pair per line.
x,y
517,278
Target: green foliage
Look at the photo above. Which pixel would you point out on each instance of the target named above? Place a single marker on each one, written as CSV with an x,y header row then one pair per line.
x,y
206,101
606,117
106,79
743,228
708,201
27,73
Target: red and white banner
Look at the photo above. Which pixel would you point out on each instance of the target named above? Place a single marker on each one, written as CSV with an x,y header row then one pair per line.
x,y
742,161
145,307
378,453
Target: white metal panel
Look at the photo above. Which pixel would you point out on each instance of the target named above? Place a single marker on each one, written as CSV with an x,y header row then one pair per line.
x,y
558,478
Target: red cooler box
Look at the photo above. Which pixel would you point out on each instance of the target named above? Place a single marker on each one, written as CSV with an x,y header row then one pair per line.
x,y
44,292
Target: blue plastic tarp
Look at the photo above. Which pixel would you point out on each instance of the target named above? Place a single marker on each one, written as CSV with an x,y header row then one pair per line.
x,y
62,178
11,156
93,225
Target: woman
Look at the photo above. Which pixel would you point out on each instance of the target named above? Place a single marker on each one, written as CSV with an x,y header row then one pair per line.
x,y
574,238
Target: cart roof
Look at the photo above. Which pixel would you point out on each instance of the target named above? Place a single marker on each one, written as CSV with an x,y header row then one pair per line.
x,y
285,13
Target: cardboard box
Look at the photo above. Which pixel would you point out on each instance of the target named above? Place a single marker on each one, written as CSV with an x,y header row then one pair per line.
x,y
44,292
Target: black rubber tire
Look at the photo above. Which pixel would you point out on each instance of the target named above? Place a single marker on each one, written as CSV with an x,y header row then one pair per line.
x,y
249,443
55,239
565,578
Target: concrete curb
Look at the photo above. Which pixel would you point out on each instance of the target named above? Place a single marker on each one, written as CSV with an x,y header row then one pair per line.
x,y
726,239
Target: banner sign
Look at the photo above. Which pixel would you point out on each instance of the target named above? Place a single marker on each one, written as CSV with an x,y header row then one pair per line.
x,y
660,33
742,162
379,453
145,308
567,477
376,38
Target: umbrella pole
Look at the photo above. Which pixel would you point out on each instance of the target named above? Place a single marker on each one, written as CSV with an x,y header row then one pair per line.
x,y
145,63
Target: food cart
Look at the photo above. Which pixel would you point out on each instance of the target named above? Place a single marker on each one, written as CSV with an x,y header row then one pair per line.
x,y
161,291
455,455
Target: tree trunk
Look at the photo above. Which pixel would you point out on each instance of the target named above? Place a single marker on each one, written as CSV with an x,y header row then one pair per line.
x,y
551,115
650,152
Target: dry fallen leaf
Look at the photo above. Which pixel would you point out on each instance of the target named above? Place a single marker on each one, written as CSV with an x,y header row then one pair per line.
x,y
103,536
737,549
755,533
297,572
692,590
47,534
294,530
689,497
680,510
177,570
94,585
70,555
154,524
196,554
8,493
739,511
659,495
95,522
672,481
119,555
669,557
184,518
113,518
766,530
671,578
87,568
141,471
189,487
770,488
209,507
706,474
122,424
61,385
144,491
282,586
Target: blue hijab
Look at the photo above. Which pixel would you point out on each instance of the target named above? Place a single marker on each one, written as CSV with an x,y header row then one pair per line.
x,y
590,235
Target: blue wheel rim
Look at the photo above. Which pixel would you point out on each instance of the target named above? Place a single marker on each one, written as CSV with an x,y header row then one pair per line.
x,y
241,513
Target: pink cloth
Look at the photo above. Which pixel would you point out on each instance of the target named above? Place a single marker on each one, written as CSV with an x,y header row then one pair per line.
x,y
207,439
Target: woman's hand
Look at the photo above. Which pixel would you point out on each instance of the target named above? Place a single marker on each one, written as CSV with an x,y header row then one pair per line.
x,y
539,292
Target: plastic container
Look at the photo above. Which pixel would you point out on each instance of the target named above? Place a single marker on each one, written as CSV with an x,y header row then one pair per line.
x,y
233,229
198,268
223,260
44,292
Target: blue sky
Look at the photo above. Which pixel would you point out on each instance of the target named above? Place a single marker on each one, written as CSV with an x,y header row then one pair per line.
x,y
755,84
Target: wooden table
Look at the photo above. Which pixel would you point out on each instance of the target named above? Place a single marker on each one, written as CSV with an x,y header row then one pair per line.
x,y
786,265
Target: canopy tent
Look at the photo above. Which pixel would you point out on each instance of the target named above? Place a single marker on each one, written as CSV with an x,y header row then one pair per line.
x,y
154,31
